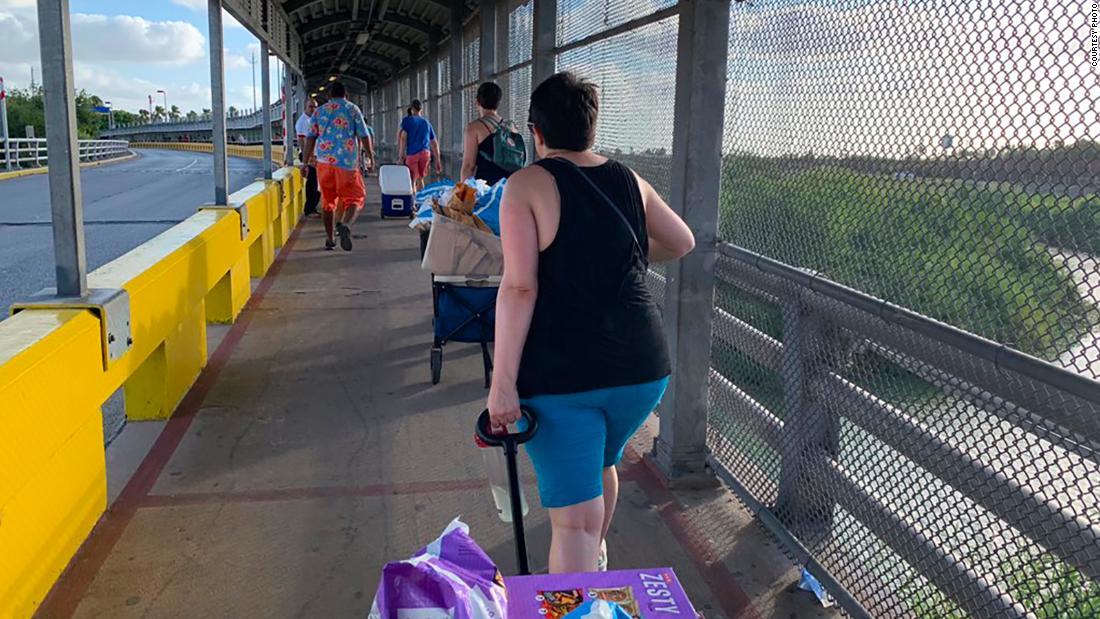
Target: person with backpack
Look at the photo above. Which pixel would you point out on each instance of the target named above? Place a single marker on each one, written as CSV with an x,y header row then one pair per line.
x,y
578,334
491,148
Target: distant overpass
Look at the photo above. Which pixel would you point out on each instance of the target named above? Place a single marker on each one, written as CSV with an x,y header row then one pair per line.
x,y
243,128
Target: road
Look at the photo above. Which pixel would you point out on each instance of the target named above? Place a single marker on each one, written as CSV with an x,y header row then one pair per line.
x,y
125,204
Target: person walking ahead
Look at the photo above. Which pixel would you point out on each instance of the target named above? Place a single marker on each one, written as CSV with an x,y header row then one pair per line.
x,y
578,335
416,144
301,128
337,132
480,143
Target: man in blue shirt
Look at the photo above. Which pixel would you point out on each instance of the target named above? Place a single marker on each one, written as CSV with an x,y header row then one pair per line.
x,y
417,144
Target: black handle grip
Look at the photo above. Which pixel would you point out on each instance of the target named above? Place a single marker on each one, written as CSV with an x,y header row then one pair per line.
x,y
485,431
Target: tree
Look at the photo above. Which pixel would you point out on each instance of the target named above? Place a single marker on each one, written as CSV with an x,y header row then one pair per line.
x,y
25,108
192,116
175,113
144,115
233,111
159,113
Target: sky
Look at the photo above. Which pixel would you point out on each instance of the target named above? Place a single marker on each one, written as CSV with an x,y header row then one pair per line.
x,y
126,50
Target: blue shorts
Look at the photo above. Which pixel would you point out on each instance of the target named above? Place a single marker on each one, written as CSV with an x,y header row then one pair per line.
x,y
580,434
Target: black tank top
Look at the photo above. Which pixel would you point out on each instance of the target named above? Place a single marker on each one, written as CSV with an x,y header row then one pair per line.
x,y
595,323
484,168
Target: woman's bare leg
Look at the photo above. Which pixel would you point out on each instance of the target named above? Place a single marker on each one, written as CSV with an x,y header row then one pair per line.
x,y
610,498
575,538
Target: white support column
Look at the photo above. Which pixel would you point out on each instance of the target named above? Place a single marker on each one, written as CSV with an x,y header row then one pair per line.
x,y
217,102
66,205
265,101
681,448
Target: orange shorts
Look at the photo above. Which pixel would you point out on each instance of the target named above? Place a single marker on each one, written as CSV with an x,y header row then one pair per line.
x,y
418,164
340,187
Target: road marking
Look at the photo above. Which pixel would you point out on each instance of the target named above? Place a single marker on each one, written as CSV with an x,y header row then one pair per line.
x,y
193,162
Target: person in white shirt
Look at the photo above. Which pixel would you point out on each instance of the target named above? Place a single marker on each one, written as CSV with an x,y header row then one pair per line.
x,y
301,128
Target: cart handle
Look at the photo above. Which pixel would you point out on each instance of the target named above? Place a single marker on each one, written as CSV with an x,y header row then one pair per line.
x,y
485,431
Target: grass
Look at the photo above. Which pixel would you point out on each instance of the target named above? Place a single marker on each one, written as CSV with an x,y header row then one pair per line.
x,y
969,255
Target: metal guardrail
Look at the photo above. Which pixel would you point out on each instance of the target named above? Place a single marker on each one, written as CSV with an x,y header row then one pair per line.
x,y
1028,476
25,152
252,120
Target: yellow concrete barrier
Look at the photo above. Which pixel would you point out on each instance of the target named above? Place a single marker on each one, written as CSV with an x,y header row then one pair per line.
x,y
248,151
53,379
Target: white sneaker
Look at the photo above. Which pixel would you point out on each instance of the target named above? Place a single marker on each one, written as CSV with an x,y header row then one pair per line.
x,y
601,559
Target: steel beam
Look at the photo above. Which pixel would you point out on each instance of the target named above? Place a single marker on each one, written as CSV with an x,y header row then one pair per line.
x,y
265,113
488,68
314,25
457,113
545,26
297,5
681,448
66,204
289,107
328,42
217,102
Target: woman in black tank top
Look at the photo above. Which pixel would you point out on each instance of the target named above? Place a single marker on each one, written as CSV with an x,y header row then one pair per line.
x,y
477,143
578,334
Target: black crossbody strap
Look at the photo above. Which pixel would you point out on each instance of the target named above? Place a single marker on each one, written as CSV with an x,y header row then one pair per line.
x,y
608,201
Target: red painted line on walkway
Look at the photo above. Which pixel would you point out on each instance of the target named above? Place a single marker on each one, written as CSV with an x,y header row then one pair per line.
x,y
313,492
735,603
70,588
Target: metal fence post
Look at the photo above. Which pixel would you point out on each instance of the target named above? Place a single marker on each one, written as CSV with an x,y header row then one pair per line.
x,y
66,205
289,106
545,28
681,448
217,102
488,44
265,113
457,113
810,431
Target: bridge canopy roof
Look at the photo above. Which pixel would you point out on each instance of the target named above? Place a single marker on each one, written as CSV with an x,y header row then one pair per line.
x,y
365,42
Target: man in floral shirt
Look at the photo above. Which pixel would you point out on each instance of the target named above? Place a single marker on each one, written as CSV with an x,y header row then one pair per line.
x,y
333,142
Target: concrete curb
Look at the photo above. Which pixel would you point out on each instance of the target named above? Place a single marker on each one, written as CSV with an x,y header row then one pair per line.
x,y
89,164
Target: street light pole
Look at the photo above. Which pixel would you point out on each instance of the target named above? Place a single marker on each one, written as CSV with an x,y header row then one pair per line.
x,y
4,124
165,103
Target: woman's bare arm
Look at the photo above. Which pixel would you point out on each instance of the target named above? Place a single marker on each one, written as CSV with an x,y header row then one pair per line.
x,y
516,297
669,237
469,152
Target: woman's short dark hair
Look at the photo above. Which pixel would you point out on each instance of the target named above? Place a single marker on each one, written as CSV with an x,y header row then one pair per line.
x,y
489,95
565,108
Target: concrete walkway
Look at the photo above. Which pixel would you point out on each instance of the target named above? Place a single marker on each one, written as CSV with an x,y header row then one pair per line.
x,y
313,449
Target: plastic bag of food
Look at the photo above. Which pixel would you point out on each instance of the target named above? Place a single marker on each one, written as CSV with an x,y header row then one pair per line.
x,y
598,609
455,248
452,577
488,206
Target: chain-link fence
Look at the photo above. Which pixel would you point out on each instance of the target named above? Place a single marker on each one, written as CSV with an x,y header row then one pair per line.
x,y
941,460
939,156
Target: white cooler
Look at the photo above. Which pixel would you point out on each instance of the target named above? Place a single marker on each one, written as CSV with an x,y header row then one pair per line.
x,y
397,191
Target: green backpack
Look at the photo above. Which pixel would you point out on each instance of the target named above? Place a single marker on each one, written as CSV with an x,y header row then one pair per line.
x,y
509,149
